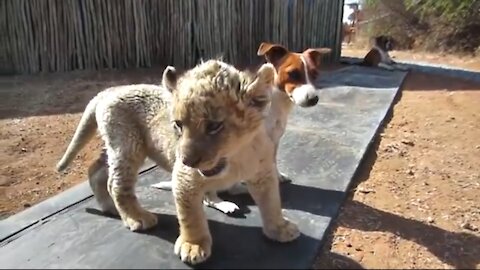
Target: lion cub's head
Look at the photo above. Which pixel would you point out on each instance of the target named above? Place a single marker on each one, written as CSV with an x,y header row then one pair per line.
x,y
216,110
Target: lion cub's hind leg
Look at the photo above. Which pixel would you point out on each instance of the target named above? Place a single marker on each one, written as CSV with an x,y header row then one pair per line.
x,y
98,180
126,153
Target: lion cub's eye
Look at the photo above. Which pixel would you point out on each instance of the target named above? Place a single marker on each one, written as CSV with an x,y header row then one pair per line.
x,y
177,125
213,127
258,102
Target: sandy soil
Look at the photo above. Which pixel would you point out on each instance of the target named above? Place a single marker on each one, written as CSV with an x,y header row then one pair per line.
x,y
460,61
414,202
38,116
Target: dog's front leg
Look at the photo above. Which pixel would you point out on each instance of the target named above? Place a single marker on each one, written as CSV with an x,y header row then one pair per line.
x,y
264,189
385,66
194,243
212,200
400,67
163,185
282,177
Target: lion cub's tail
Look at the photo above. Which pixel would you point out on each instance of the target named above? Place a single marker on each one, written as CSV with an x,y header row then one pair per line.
x,y
85,131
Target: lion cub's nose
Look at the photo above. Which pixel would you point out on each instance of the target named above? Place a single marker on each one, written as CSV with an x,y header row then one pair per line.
x,y
191,161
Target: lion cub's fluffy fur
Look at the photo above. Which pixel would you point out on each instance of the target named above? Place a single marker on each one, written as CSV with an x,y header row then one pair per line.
x,y
206,127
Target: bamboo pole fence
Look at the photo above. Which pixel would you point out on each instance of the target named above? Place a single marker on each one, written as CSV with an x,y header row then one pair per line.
x,y
64,35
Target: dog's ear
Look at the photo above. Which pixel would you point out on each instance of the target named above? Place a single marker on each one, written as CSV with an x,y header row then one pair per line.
x,y
169,78
390,43
315,55
385,42
377,40
381,41
273,52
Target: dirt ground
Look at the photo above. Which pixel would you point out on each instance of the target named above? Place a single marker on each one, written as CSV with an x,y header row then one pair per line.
x,y
413,204
459,61
38,115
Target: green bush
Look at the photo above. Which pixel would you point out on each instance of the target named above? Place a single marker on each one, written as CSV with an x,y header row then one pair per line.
x,y
446,25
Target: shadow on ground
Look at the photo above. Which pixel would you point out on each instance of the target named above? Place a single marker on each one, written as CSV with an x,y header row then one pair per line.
x,y
457,249
462,250
224,253
69,92
63,93
437,71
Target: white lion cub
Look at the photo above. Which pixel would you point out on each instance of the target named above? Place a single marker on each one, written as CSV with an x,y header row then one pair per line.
x,y
206,127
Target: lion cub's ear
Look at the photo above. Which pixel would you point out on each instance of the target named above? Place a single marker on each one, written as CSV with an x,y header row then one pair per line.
x,y
169,78
260,90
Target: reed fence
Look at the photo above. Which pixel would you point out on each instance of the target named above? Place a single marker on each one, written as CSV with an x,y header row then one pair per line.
x,y
63,35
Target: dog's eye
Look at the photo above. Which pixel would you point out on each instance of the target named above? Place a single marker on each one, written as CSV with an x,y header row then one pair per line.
x,y
213,127
294,75
178,126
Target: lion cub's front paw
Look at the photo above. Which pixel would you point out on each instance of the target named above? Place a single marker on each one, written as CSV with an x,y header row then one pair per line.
x,y
142,220
285,231
192,253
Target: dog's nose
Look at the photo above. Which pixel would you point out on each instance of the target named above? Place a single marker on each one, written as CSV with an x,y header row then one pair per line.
x,y
191,161
313,101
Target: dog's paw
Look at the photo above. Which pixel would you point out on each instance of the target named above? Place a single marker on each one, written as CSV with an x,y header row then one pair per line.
x,y
285,231
224,206
164,185
192,253
140,221
283,178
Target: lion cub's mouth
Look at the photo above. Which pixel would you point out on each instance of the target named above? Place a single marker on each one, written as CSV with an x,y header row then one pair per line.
x,y
221,165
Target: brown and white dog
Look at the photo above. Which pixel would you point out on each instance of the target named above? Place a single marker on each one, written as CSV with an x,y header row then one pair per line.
x,y
378,56
296,73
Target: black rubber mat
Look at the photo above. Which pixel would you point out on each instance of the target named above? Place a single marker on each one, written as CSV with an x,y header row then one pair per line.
x,y
321,151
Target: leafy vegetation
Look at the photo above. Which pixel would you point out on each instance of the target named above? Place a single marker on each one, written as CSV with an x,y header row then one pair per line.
x,y
446,25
